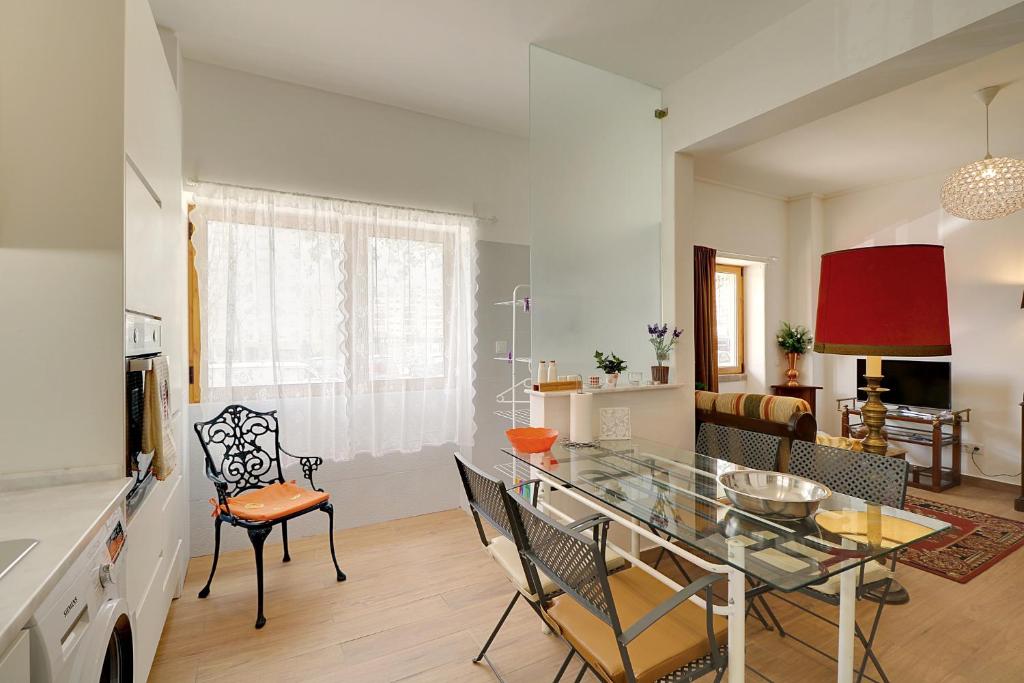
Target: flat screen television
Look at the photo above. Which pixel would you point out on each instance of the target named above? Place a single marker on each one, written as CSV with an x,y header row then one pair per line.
x,y
912,383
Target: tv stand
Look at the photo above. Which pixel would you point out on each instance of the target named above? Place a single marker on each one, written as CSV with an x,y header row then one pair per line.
x,y
923,427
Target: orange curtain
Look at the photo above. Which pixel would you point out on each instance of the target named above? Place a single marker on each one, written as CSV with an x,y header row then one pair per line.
x,y
194,340
705,334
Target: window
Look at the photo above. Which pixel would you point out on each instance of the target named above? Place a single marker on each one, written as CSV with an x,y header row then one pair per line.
x,y
406,285
729,313
354,321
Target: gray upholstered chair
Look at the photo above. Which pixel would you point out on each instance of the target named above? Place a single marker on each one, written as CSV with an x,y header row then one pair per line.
x,y
877,479
627,626
487,502
741,447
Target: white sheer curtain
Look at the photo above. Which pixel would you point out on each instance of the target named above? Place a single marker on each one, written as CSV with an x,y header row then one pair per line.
x,y
355,321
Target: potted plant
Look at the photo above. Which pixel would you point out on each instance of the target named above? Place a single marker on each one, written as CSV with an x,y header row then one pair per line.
x,y
663,344
611,364
794,341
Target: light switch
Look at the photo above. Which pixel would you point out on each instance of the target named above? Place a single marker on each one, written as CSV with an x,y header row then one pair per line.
x,y
501,348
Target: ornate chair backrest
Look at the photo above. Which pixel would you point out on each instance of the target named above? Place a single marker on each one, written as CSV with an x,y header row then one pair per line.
x,y
573,561
242,447
739,446
485,496
875,478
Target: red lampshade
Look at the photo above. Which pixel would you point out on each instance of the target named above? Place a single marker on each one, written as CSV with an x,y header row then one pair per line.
x,y
883,301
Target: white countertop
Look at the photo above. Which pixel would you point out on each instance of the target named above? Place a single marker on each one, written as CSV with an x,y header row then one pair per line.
x,y
622,388
62,519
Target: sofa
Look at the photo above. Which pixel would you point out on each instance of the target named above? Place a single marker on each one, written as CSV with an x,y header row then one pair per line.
x,y
783,416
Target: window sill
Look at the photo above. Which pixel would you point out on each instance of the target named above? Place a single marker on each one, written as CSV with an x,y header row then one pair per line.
x,y
742,377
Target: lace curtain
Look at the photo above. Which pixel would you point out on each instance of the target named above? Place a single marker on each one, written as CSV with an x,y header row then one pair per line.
x,y
354,320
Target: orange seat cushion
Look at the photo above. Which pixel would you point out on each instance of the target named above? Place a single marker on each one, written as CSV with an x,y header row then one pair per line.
x,y
271,502
675,640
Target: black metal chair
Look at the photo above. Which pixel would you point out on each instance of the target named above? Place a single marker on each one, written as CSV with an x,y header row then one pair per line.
x,y
739,446
666,636
487,501
749,449
243,460
877,479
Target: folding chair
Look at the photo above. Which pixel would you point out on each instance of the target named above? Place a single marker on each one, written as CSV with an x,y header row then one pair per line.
x,y
877,479
627,626
487,496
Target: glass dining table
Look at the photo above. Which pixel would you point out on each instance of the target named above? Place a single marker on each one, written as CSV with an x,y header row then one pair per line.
x,y
672,498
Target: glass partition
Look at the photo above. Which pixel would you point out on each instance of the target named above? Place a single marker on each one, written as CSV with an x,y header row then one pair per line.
x,y
595,214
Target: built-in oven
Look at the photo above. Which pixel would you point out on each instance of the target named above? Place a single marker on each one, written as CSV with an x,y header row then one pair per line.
x,y
143,342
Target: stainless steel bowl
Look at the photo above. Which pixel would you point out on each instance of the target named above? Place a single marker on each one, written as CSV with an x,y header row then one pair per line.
x,y
772,494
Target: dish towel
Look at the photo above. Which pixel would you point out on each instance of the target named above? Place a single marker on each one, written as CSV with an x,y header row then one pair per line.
x,y
156,419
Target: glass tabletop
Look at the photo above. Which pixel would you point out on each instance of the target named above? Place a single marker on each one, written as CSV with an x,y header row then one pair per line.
x,y
676,493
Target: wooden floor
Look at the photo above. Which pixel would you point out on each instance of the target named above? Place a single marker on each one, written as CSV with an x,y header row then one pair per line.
x,y
422,596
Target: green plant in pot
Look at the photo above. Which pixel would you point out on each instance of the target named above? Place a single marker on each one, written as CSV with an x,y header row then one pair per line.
x,y
663,343
795,342
612,365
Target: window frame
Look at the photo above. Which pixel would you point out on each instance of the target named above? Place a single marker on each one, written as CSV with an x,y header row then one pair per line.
x,y
740,314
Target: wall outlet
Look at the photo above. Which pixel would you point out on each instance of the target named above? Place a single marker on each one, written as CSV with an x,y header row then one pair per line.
x,y
501,348
971,448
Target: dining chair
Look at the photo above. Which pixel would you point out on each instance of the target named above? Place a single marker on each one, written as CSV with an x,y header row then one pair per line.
x,y
739,446
628,626
487,497
748,449
242,449
874,478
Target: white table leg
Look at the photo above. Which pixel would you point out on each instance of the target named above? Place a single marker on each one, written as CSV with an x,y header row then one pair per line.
x,y
737,614
634,543
847,622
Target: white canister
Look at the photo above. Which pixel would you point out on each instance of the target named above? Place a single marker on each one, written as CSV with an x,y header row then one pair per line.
x,y
542,372
581,418
552,371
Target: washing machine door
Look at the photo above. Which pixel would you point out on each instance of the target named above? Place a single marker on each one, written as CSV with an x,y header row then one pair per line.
x,y
117,663
107,653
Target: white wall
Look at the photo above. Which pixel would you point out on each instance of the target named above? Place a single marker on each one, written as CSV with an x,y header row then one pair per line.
x,y
61,272
985,281
823,57
249,130
741,222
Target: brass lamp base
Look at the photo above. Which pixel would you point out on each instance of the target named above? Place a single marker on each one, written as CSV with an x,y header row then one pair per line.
x,y
873,413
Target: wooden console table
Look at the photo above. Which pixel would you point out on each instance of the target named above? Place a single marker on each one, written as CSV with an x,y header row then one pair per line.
x,y
924,429
804,391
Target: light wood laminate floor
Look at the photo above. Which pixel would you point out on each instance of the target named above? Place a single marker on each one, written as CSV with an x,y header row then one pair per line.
x,y
422,596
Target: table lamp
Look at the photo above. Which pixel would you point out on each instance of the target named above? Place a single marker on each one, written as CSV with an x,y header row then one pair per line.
x,y
882,301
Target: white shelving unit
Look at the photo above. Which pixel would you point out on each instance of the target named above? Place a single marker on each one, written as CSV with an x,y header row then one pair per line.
x,y
513,403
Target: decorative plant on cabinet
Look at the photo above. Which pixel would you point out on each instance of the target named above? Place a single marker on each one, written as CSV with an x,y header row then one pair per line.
x,y
612,365
663,344
794,341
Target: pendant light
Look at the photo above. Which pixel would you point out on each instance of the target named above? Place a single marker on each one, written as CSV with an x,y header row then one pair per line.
x,y
986,189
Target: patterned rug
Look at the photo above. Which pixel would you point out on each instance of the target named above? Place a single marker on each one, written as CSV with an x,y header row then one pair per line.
x,y
974,542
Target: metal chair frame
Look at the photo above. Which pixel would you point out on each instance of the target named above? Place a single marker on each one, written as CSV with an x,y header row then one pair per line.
x,y
251,459
748,449
486,496
574,561
876,478
739,446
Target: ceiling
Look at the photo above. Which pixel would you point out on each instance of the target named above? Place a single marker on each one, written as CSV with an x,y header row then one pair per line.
x,y
465,60
929,126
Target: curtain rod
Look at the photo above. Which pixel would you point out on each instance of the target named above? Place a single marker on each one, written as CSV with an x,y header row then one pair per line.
x,y
192,182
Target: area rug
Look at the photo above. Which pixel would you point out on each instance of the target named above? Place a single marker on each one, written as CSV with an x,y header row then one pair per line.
x,y
974,542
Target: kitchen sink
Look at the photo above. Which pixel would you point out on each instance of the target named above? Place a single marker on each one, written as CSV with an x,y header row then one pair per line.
x,y
12,551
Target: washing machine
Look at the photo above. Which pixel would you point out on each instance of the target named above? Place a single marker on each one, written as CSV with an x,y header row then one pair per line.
x,y
82,632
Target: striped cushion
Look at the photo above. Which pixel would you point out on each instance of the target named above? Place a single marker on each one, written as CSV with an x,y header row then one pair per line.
x,y
706,400
761,406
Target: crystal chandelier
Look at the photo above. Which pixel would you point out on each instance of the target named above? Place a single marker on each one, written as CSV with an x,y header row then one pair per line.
x,y
986,189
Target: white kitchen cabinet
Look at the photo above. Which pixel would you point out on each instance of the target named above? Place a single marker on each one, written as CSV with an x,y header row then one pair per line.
x,y
14,664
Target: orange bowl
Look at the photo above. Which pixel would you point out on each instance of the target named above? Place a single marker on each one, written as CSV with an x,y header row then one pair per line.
x,y
532,439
